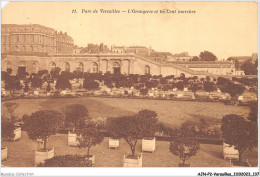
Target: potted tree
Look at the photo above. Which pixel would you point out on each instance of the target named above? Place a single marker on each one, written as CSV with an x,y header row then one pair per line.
x,y
89,135
149,128
75,115
41,125
7,133
113,140
131,129
8,113
239,134
184,148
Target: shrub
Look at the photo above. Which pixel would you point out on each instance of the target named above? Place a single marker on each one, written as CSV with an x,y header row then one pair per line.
x,y
239,133
90,135
75,114
184,148
66,161
42,124
133,128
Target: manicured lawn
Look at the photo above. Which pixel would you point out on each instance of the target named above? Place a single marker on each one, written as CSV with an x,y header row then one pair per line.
x,y
170,112
21,154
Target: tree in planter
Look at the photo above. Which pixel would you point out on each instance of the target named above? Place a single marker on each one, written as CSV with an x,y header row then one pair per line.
x,y
179,85
195,88
42,124
48,88
235,90
26,87
148,121
8,111
208,86
184,148
239,133
36,82
7,129
75,114
144,91
253,115
89,136
90,84
13,83
63,83
66,161
133,128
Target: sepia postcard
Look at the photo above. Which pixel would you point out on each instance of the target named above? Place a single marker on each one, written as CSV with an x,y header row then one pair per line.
x,y
129,84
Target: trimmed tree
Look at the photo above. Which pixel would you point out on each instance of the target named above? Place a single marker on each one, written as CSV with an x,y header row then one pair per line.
x,y
133,128
75,114
36,82
90,84
42,124
48,88
55,73
13,83
7,129
89,135
184,148
239,133
194,88
63,83
208,86
26,87
253,115
235,90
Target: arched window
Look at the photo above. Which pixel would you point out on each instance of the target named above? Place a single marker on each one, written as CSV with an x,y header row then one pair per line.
x,y
35,67
80,67
8,64
16,48
67,67
95,68
116,68
21,67
23,49
31,48
147,69
52,65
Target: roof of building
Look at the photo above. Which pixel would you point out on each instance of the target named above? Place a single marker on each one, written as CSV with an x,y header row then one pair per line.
x,y
24,25
138,47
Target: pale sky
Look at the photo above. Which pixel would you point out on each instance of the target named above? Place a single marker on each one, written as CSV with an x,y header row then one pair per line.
x,y
224,28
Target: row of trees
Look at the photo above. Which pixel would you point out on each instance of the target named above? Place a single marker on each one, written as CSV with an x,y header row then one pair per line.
x,y
142,82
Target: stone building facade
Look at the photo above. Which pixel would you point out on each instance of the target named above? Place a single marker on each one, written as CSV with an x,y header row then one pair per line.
x,y
34,39
64,44
114,63
32,48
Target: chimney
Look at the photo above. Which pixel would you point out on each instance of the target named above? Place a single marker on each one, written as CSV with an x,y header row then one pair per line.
x,y
101,47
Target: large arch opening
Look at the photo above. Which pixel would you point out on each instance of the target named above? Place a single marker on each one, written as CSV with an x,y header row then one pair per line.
x,y
35,67
66,67
8,67
147,69
116,68
95,68
21,67
52,65
80,67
